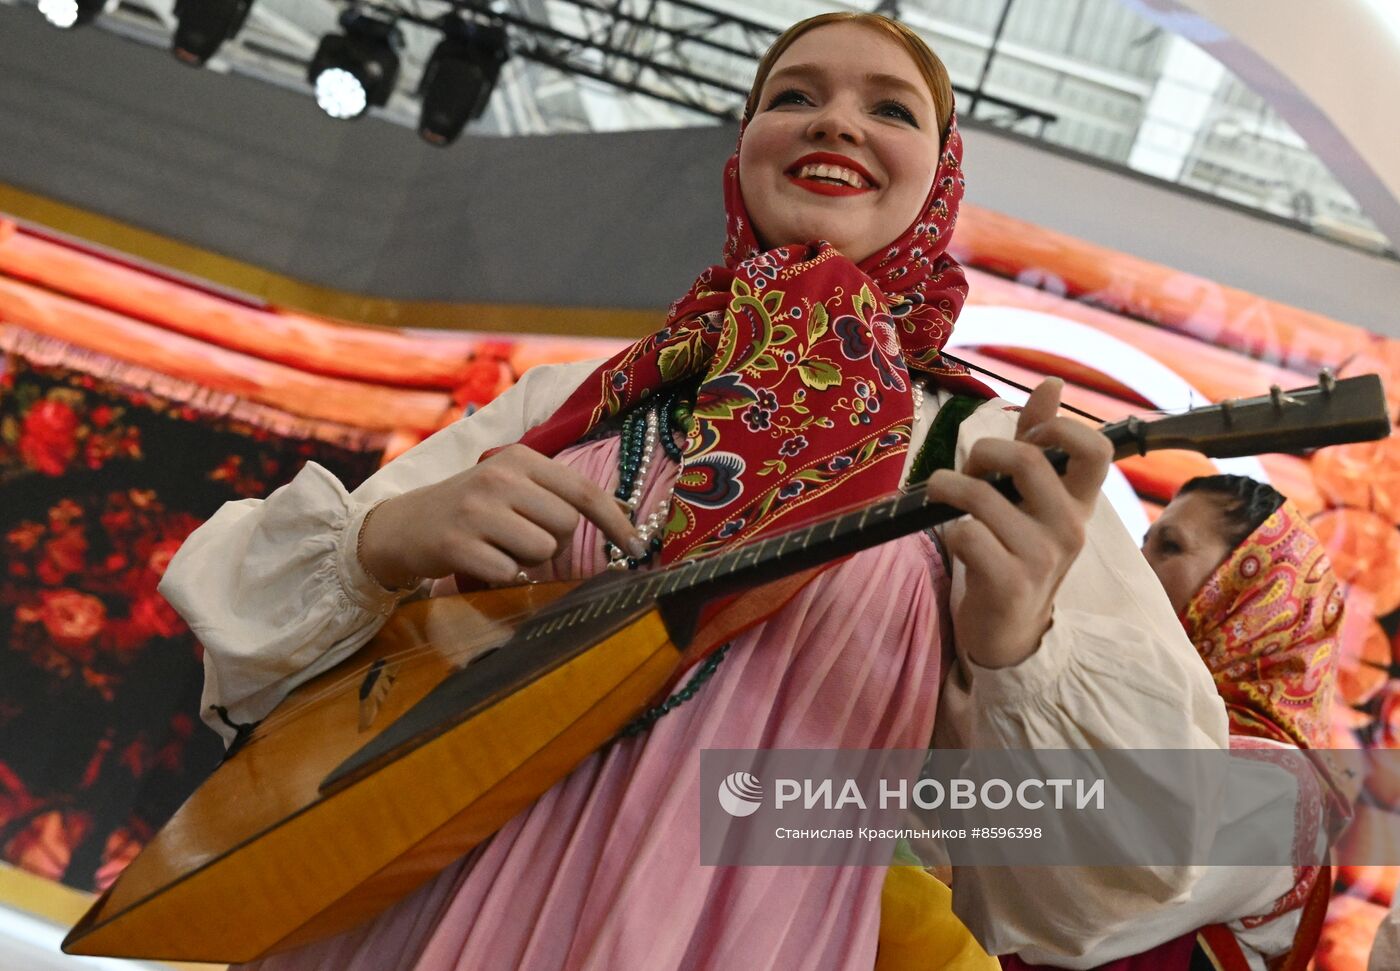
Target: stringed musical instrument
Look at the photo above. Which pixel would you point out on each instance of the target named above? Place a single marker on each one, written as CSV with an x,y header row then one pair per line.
x,y
462,710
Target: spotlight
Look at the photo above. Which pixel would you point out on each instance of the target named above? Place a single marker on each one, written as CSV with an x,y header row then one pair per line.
x,y
203,25
70,13
459,78
354,70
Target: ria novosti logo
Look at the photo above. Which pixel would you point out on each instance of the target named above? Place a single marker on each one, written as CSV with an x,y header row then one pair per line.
x,y
740,794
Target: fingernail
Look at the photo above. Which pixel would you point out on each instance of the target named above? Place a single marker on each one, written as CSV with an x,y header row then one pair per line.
x,y
637,547
622,504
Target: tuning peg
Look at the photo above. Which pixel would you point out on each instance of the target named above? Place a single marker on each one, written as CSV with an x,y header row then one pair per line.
x,y
1326,381
1137,428
1280,399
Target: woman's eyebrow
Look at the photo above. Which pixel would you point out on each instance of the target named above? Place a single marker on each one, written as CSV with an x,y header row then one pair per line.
x,y
804,71
891,81
814,73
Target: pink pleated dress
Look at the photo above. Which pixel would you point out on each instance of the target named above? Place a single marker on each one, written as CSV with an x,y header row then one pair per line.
x,y
603,872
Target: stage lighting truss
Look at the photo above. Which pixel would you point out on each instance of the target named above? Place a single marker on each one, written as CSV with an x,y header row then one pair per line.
x,y
459,78
356,69
68,14
202,26
681,52
676,51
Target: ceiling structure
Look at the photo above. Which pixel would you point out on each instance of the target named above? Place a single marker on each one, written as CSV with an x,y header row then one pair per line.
x,y
1091,76
1291,53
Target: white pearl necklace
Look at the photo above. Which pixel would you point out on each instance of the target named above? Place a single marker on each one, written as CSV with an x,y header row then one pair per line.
x,y
651,526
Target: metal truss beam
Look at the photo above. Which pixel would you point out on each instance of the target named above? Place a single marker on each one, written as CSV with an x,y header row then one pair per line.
x,y
680,52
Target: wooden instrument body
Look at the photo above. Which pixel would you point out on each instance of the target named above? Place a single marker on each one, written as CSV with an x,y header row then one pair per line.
x,y
260,859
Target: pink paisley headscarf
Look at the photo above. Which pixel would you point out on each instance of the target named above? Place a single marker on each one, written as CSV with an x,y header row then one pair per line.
x,y
1266,623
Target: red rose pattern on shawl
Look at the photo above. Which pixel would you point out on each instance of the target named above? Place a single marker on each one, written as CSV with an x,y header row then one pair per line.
x,y
57,433
100,678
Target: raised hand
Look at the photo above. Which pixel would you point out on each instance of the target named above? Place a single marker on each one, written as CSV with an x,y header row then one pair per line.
x,y
513,510
1015,557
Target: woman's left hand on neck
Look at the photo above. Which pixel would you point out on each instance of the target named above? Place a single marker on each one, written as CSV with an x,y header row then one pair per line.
x,y
1015,557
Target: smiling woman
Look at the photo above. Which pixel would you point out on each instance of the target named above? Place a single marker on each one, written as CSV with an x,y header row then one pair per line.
x,y
824,127
798,378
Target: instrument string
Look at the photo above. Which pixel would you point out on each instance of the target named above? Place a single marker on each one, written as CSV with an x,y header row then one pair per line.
x,y
351,680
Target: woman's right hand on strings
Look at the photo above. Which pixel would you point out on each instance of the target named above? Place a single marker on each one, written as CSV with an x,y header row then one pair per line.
x,y
513,510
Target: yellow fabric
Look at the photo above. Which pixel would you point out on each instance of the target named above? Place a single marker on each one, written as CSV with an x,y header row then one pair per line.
x,y
918,930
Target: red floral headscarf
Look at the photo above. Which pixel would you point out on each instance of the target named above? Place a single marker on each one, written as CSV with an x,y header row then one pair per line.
x,y
805,404
1266,624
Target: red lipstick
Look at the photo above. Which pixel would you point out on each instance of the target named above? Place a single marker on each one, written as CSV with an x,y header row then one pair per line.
x,y
829,188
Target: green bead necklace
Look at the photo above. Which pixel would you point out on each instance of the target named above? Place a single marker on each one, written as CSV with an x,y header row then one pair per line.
x,y
641,432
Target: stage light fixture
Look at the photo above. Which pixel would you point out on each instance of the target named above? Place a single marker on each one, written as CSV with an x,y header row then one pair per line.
x,y
459,78
356,69
70,13
201,27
